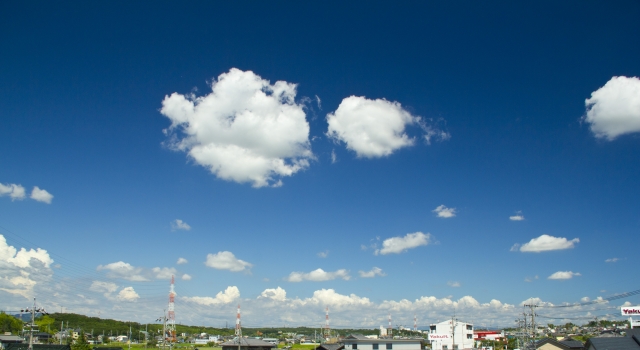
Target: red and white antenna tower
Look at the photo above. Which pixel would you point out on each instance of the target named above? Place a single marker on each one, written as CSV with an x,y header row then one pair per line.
x,y
415,323
171,317
238,325
327,330
390,328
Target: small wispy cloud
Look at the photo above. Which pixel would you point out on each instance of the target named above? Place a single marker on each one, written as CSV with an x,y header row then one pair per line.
x,y
531,279
182,261
443,212
545,243
178,224
14,191
612,260
376,271
227,261
397,245
318,275
454,284
517,217
563,275
323,254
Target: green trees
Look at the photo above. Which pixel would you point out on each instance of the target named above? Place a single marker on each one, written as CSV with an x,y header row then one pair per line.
x,y
9,323
46,324
81,343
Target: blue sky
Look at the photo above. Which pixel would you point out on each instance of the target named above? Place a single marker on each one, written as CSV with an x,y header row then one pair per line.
x,y
289,137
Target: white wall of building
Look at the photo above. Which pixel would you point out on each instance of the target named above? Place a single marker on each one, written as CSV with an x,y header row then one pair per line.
x,y
382,344
443,337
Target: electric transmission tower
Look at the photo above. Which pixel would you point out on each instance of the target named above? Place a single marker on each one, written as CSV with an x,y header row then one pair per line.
x,y
529,330
171,314
239,328
327,330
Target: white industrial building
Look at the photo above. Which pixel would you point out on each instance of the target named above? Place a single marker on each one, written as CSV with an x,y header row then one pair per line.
x,y
360,342
445,336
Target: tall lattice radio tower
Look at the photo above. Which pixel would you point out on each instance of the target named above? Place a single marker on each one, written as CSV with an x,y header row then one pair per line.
x,y
238,325
327,330
171,317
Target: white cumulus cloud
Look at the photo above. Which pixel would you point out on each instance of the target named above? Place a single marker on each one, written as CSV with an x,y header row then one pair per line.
x,y
227,296
163,273
186,277
278,294
121,269
318,276
614,109
226,261
245,130
106,287
13,191
41,195
376,271
545,243
563,275
397,245
126,271
371,128
443,212
128,294
181,261
21,270
178,224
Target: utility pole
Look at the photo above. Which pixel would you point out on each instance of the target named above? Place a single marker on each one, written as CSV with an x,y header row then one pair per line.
x,y
453,332
164,327
533,329
33,311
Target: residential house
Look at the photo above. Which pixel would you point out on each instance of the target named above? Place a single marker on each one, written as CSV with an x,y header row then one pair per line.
x,y
360,342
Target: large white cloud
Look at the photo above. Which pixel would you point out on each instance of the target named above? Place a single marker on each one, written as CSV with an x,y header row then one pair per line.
x,y
227,296
614,109
397,245
21,270
41,195
13,191
318,275
245,130
226,261
371,128
545,243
